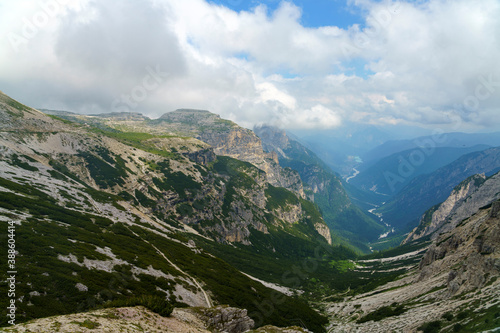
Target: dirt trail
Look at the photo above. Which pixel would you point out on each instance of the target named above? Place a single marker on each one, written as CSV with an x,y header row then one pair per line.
x,y
207,298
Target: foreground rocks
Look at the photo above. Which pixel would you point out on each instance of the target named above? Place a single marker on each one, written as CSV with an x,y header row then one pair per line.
x,y
139,319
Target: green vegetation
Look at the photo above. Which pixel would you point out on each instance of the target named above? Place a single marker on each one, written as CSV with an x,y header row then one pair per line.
x,y
448,316
62,170
138,140
102,171
431,327
26,166
87,323
80,234
55,243
176,181
427,218
55,231
477,320
342,266
278,197
144,200
383,312
154,303
419,244
351,226
14,104
66,121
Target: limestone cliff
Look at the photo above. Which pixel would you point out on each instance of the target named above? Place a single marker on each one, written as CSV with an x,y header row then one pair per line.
x,y
470,253
229,139
465,199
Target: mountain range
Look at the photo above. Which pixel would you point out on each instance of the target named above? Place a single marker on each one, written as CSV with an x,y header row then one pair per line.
x,y
424,191
190,222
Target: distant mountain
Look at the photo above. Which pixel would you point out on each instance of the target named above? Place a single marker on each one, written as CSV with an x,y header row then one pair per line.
x,y
425,191
428,143
339,148
324,186
465,200
390,174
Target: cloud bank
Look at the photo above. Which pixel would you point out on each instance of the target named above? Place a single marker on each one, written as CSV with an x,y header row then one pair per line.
x,y
431,63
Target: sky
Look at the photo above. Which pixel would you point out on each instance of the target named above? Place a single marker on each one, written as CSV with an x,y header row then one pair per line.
x,y
298,64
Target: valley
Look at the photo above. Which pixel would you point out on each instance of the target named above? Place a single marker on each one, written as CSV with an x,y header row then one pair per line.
x,y
191,222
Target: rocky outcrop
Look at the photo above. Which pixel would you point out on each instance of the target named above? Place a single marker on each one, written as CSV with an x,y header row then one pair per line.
x,y
225,319
226,138
122,116
202,157
235,142
244,145
465,199
282,177
273,139
324,231
221,319
470,253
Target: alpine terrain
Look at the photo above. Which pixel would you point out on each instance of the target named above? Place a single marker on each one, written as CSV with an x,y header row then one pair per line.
x,y
191,223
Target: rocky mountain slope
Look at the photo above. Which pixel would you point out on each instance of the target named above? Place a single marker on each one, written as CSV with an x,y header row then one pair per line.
x,y
324,187
454,288
466,198
425,191
101,214
226,138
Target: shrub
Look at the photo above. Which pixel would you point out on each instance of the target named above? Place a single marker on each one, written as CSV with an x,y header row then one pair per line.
x,y
156,304
383,312
431,327
448,316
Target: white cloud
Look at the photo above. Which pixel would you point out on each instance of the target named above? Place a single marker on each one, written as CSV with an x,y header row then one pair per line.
x,y
422,63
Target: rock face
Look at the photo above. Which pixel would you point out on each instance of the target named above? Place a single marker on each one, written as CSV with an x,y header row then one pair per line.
x,y
457,274
203,156
225,319
224,136
470,253
465,199
16,116
229,139
216,206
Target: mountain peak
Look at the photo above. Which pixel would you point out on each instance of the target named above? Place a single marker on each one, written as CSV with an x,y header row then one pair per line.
x,y
179,113
196,118
121,116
